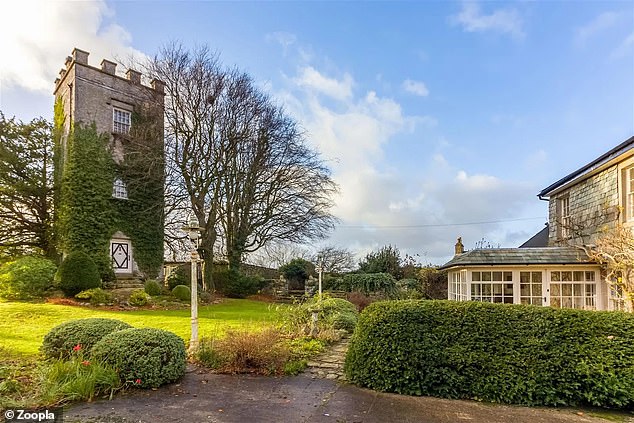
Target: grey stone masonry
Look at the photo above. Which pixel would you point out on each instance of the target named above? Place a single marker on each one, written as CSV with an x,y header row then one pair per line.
x,y
593,207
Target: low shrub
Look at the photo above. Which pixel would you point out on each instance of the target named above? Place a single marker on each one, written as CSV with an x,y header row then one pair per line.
x,y
495,352
246,352
178,277
96,296
234,284
60,340
368,283
26,278
77,273
332,314
147,358
182,292
139,298
152,288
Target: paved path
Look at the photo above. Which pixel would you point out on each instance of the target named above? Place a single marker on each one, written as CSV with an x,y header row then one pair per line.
x,y
329,364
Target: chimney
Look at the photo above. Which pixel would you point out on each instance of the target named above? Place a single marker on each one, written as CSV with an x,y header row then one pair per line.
x,y
158,86
133,76
80,56
108,67
459,247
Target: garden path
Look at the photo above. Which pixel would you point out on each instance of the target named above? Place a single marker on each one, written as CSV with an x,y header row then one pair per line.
x,y
329,364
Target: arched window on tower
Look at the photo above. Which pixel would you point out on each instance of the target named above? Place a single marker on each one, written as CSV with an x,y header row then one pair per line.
x,y
119,189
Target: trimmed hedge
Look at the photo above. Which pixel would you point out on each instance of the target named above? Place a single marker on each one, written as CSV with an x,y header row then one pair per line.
x,y
77,273
182,293
495,352
147,358
60,340
368,283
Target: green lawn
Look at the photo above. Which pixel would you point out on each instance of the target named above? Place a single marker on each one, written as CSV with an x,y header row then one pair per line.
x,y
23,325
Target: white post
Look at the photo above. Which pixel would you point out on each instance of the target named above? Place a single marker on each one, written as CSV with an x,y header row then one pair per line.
x,y
320,270
193,342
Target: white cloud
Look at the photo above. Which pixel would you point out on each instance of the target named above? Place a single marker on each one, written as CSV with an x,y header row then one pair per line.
x,y
285,39
37,36
415,87
505,21
626,48
598,25
314,81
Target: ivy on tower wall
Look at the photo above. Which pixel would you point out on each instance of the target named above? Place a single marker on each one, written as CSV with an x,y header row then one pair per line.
x,y
87,215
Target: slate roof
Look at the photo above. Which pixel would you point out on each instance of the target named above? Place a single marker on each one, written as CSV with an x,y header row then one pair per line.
x,y
518,256
595,164
540,239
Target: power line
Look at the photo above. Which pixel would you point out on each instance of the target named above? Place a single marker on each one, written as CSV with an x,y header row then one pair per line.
x,y
436,225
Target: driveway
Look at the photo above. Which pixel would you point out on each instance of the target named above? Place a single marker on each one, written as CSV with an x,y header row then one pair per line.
x,y
204,397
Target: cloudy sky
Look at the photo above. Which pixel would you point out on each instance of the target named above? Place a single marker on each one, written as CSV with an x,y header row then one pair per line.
x,y
438,119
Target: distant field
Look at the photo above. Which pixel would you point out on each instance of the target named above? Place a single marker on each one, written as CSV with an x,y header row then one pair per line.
x,y
23,325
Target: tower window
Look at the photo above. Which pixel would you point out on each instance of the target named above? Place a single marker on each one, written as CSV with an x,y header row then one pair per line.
x,y
121,120
119,189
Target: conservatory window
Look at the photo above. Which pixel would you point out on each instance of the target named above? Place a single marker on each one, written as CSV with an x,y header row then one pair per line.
x,y
573,289
492,287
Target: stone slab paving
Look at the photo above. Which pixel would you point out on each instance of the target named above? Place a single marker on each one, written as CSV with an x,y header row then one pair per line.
x,y
329,364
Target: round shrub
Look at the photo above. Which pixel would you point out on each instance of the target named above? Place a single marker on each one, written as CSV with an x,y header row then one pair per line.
x,y
152,288
60,340
77,273
182,292
146,357
345,321
139,298
96,296
25,278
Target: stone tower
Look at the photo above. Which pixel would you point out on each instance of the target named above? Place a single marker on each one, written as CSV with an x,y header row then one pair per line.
x,y
85,96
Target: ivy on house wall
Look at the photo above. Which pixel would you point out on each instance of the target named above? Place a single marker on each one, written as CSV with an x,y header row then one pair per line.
x,y
87,214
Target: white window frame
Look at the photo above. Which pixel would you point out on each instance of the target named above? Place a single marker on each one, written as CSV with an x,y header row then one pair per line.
x,y
533,285
121,121
119,189
563,210
457,289
492,286
579,291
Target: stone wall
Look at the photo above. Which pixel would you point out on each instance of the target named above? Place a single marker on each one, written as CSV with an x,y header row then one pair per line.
x,y
594,206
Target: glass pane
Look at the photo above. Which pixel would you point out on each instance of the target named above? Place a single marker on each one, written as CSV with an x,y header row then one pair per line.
x,y
508,300
525,301
566,290
566,302
555,302
475,276
537,277
497,299
508,276
579,303
590,289
486,276
537,301
497,276
578,290
577,276
589,276
486,289
497,289
525,290
554,276
508,289
524,277
566,276
537,290
555,289
476,289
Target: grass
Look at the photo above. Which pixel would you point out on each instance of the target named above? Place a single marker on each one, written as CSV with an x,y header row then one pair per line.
x,y
23,324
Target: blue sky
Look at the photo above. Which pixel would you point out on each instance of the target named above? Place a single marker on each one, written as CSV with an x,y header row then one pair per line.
x,y
431,115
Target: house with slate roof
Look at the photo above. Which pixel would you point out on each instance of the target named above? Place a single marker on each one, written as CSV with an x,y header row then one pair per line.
x,y
551,269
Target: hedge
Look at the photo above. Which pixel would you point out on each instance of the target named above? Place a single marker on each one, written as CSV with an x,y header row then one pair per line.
x,y
147,358
77,273
367,283
60,340
25,278
495,352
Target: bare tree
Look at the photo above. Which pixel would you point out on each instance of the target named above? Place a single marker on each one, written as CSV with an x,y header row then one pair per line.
x,y
277,254
236,160
26,187
614,249
335,259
